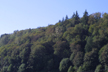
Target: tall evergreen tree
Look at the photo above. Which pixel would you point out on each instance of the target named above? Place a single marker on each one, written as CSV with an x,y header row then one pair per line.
x,y
63,19
76,15
66,17
85,17
77,18
73,16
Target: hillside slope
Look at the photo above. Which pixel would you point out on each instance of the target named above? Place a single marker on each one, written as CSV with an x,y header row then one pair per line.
x,y
71,45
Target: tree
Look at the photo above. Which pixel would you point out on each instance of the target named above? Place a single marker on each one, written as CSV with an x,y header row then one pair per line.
x,y
37,57
75,47
85,67
85,17
61,49
78,59
70,69
25,53
10,68
63,19
64,64
97,16
4,39
22,68
103,55
60,21
77,18
91,57
105,16
73,16
50,65
66,17
89,44
4,69
93,18
99,68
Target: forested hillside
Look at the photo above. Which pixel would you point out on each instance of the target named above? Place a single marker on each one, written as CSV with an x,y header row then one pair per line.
x,y
72,45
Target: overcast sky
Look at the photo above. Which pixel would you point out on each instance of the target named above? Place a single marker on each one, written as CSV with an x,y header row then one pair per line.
x,y
24,14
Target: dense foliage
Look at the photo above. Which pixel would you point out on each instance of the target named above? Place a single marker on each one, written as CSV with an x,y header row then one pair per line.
x,y
72,45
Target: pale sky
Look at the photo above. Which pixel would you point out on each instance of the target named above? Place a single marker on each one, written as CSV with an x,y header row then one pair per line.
x,y
25,14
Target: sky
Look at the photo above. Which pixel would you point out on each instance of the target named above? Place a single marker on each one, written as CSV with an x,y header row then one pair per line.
x,y
25,14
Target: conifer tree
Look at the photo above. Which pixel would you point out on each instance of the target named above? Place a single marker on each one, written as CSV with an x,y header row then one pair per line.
x,y
66,17
77,18
85,17
73,16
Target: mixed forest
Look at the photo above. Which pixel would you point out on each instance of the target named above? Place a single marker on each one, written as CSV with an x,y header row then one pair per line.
x,y
76,44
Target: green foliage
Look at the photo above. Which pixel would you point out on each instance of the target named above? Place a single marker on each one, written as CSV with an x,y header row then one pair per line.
x,y
4,69
106,68
10,68
76,18
61,49
85,18
66,17
4,39
72,56
86,67
89,44
70,69
77,44
75,47
99,68
103,54
50,64
78,59
64,64
21,68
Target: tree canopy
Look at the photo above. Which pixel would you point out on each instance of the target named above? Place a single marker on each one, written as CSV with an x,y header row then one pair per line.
x,y
76,44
